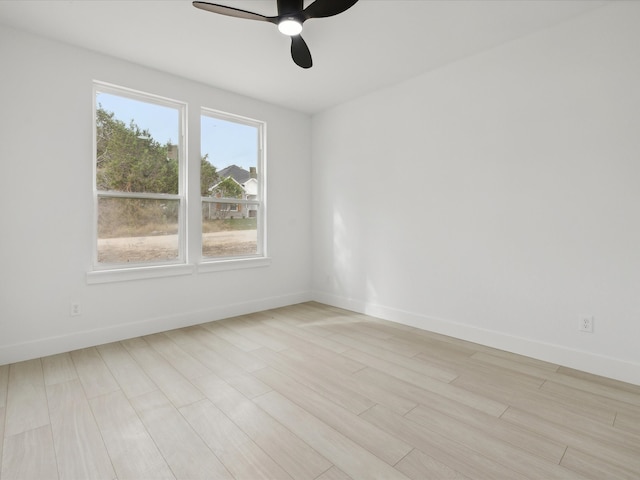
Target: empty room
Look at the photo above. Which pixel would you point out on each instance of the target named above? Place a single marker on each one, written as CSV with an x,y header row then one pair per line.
x,y
320,240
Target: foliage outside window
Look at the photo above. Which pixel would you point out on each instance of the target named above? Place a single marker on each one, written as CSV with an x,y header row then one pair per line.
x,y
138,179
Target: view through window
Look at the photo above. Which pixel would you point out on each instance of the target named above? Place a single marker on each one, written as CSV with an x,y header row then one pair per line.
x,y
141,184
138,179
231,186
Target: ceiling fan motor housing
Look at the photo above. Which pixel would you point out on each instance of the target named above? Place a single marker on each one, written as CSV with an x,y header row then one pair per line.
x,y
291,10
286,7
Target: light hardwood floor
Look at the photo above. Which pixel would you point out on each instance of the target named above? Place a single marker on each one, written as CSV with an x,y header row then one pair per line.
x,y
311,392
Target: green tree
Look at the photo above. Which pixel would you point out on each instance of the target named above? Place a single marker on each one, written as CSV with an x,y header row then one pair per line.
x,y
208,176
228,188
130,160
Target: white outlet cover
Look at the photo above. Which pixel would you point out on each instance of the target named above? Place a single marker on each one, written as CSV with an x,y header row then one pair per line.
x,y
586,324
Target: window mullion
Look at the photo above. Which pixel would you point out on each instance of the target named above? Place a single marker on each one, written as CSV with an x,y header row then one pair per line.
x,y
151,196
230,200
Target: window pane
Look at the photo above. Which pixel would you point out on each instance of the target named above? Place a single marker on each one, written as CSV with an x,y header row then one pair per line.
x,y
229,164
136,145
134,230
230,161
229,230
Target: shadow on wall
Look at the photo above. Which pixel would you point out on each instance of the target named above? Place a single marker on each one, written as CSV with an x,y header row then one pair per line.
x,y
348,277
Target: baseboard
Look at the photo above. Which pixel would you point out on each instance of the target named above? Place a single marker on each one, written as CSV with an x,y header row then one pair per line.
x,y
605,366
74,341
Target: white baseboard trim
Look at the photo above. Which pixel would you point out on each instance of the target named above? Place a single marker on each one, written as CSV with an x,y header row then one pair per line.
x,y
89,338
605,366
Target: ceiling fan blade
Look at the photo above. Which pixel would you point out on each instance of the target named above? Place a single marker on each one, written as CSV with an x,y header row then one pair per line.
x,y
328,8
300,52
232,12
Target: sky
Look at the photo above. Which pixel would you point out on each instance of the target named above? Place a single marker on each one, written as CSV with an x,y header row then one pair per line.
x,y
226,143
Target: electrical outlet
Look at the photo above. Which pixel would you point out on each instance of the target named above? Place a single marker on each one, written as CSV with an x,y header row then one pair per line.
x,y
586,324
75,309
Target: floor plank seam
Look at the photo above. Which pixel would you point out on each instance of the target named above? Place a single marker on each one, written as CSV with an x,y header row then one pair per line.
x,y
405,456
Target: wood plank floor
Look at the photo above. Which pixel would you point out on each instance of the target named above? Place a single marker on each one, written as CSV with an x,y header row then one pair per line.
x,y
311,392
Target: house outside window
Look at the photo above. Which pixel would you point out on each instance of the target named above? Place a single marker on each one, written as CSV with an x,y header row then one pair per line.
x,y
233,207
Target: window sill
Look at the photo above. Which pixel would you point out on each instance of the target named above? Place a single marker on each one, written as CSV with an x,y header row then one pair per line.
x,y
139,273
161,271
233,264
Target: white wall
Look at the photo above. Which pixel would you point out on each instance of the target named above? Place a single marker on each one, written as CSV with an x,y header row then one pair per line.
x,y
496,199
46,204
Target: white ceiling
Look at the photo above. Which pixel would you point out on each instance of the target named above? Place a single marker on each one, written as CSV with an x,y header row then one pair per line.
x,y
374,44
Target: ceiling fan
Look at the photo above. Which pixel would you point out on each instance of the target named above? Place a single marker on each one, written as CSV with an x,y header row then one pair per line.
x,y
291,16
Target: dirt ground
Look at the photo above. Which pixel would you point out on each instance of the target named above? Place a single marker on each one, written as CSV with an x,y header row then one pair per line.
x,y
165,247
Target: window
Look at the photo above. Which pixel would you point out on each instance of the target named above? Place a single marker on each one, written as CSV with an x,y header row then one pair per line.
x,y
231,186
139,177
141,189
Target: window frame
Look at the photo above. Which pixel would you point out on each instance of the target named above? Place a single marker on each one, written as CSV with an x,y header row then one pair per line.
x,y
260,257
190,258
181,196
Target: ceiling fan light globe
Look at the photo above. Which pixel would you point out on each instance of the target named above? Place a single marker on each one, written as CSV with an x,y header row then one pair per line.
x,y
290,27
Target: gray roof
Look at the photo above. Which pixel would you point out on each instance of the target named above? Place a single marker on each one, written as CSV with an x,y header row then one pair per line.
x,y
239,174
